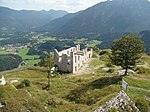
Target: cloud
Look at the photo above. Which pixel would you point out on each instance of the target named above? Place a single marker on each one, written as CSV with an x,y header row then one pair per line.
x,y
68,5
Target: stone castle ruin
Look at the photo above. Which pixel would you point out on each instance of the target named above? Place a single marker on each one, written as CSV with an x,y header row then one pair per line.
x,y
72,59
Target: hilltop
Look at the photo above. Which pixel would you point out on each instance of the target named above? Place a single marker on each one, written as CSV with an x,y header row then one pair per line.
x,y
83,92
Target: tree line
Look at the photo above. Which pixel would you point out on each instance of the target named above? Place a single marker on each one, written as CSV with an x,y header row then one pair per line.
x,y
9,61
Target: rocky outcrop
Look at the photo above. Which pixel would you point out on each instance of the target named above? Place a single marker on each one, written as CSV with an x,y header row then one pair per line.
x,y
120,102
2,81
2,104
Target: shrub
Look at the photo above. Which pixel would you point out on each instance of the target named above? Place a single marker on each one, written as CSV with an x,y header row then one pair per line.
x,y
142,105
110,70
61,103
24,83
52,102
109,64
79,80
94,55
105,58
103,52
91,100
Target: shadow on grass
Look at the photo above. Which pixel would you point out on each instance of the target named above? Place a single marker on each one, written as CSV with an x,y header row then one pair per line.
x,y
105,81
82,96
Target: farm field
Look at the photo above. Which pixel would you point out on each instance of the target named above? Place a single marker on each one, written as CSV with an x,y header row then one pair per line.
x,y
30,60
6,52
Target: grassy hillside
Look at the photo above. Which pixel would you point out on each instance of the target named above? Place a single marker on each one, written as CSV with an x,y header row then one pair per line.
x,y
18,100
74,93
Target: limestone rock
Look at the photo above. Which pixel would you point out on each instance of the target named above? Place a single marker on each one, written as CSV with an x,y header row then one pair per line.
x,y
2,81
2,104
120,102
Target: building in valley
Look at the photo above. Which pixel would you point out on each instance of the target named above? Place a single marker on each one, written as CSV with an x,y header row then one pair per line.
x,y
72,59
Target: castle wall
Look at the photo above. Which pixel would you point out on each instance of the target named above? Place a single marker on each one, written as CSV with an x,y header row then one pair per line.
x,y
72,59
81,59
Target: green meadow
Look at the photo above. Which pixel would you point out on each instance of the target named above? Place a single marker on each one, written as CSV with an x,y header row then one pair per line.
x,y
73,93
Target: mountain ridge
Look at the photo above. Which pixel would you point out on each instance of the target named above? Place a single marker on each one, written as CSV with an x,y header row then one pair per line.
x,y
104,17
25,20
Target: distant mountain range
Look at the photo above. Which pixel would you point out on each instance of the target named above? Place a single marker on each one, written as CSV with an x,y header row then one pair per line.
x,y
25,20
104,21
104,17
145,36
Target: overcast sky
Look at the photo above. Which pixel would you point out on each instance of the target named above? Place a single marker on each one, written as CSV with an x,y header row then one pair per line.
x,y
67,5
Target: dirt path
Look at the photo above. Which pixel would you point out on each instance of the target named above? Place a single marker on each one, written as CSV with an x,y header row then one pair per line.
x,y
13,70
85,69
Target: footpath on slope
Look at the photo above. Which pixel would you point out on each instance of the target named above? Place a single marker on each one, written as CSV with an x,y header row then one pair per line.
x,y
85,69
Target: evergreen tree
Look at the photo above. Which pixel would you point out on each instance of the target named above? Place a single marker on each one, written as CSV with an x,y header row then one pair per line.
x,y
126,51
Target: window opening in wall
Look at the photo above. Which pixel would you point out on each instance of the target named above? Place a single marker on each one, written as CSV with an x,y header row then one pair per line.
x,y
75,59
75,68
68,62
68,52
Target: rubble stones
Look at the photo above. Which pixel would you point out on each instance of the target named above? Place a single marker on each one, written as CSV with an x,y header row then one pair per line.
x,y
2,104
2,81
120,102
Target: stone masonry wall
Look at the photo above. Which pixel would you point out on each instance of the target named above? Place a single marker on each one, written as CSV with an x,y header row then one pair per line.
x,y
72,59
